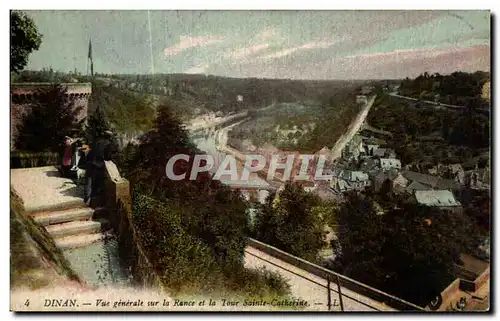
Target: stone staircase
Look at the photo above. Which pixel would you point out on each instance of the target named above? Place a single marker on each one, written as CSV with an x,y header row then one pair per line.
x,y
82,233
57,204
73,227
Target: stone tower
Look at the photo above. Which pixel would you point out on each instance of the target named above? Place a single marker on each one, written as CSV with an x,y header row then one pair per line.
x,y
22,94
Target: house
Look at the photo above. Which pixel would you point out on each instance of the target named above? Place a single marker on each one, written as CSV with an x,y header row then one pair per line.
x,y
370,148
432,182
452,171
350,181
369,165
457,173
379,152
416,186
361,99
340,185
436,198
354,180
380,178
399,184
390,153
390,163
357,180
353,149
366,90
384,153
372,140
478,178
354,176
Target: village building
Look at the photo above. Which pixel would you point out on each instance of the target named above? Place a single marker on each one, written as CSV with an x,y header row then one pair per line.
x,y
353,150
366,90
361,99
390,163
415,186
370,148
457,173
369,166
384,153
339,185
451,171
443,199
349,180
372,140
399,184
381,179
478,178
432,182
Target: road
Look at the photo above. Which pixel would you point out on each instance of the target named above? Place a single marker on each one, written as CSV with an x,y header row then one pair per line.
x,y
352,130
428,102
311,288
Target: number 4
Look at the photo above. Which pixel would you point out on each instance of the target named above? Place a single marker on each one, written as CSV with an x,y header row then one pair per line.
x,y
27,303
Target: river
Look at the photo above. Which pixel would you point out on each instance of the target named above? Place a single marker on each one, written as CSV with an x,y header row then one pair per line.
x,y
208,144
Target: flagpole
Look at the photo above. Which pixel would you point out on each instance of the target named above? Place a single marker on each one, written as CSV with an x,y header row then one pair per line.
x,y
151,54
89,59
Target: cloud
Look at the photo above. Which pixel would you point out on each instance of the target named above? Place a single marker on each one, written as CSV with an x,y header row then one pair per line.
x,y
397,54
245,52
187,42
321,44
411,62
200,69
392,65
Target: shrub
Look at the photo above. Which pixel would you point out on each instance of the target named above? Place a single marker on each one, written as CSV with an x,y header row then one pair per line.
x,y
20,159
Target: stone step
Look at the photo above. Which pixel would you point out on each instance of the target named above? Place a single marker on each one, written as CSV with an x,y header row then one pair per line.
x,y
58,217
76,241
60,206
77,228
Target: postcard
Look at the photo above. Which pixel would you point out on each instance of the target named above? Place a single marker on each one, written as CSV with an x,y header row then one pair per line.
x,y
290,161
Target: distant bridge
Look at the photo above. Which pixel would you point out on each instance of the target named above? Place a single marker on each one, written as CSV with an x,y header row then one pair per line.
x,y
484,111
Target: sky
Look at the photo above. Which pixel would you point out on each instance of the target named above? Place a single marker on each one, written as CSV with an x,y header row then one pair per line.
x,y
265,44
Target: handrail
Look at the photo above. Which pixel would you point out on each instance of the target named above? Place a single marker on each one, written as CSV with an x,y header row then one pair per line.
x,y
345,281
312,281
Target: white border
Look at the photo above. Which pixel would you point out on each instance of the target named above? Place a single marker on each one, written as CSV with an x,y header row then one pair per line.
x,y
259,5
213,5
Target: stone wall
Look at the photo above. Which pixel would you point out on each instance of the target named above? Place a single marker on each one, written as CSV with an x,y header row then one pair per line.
x,y
119,206
23,95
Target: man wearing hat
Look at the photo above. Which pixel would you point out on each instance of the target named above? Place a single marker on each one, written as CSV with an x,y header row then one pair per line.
x,y
102,150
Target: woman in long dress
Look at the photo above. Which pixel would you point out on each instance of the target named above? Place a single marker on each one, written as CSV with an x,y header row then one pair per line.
x,y
67,155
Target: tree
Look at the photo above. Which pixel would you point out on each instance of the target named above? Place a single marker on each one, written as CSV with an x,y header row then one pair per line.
x,y
96,125
24,39
291,224
410,251
211,212
129,112
52,117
